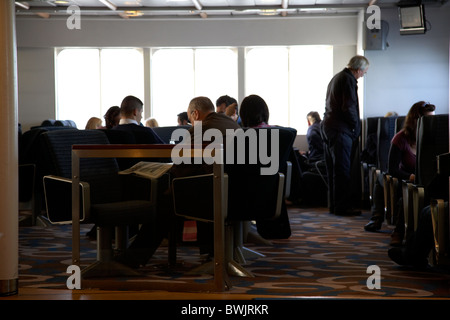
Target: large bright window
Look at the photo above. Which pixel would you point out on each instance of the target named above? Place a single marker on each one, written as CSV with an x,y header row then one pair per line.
x,y
292,81
90,81
178,75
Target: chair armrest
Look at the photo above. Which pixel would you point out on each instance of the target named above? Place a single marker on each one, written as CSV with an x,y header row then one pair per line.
x,y
288,179
441,232
393,185
58,199
387,180
418,203
372,178
193,197
407,196
280,195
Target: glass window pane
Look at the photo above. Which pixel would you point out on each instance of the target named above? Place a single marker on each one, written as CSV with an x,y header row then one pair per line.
x,y
267,76
77,83
89,81
216,73
310,70
172,83
122,72
293,81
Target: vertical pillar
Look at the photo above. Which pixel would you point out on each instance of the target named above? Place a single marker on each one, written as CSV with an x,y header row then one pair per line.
x,y
9,199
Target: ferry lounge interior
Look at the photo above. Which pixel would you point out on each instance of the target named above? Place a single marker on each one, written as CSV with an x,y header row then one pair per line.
x,y
326,257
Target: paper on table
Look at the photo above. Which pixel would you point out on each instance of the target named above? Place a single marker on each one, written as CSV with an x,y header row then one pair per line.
x,y
152,170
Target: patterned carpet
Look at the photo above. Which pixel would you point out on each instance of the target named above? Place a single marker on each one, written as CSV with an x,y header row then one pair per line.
x,y
326,256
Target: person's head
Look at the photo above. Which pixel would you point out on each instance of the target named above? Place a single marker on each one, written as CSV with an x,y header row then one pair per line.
x,y
223,102
93,123
417,110
131,108
232,111
182,118
151,123
254,111
199,108
358,65
391,114
313,117
112,117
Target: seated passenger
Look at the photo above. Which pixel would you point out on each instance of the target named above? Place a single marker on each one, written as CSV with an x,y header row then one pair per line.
x,y
130,119
254,113
183,119
308,160
151,123
314,138
112,117
402,165
150,235
93,123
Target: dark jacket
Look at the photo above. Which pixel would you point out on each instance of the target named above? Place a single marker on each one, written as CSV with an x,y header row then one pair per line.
x,y
143,135
342,106
315,143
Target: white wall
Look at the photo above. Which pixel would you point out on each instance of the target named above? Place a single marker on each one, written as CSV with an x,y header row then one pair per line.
x,y
36,86
412,68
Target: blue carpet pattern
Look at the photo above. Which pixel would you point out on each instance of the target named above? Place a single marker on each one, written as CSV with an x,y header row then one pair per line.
x,y
326,256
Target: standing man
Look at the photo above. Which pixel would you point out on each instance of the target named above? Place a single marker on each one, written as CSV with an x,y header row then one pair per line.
x,y
341,128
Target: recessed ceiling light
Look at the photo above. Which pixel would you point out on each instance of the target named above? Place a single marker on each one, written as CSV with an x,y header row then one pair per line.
x,y
134,13
22,5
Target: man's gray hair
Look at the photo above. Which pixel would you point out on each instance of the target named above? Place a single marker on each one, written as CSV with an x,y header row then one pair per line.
x,y
202,104
358,63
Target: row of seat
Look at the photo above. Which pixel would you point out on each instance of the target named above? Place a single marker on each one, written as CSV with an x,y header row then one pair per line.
x,y
430,184
384,128
100,175
34,160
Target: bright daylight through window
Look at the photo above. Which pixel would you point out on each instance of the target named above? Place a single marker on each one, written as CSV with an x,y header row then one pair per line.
x,y
90,81
292,80
178,75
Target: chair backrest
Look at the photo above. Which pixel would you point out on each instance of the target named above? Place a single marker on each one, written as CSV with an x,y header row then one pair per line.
x,y
48,123
193,197
165,133
253,186
65,123
371,126
399,123
251,195
100,173
121,137
432,140
385,133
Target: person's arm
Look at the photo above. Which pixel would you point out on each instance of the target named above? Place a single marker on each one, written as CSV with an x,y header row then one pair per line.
x,y
395,158
350,105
